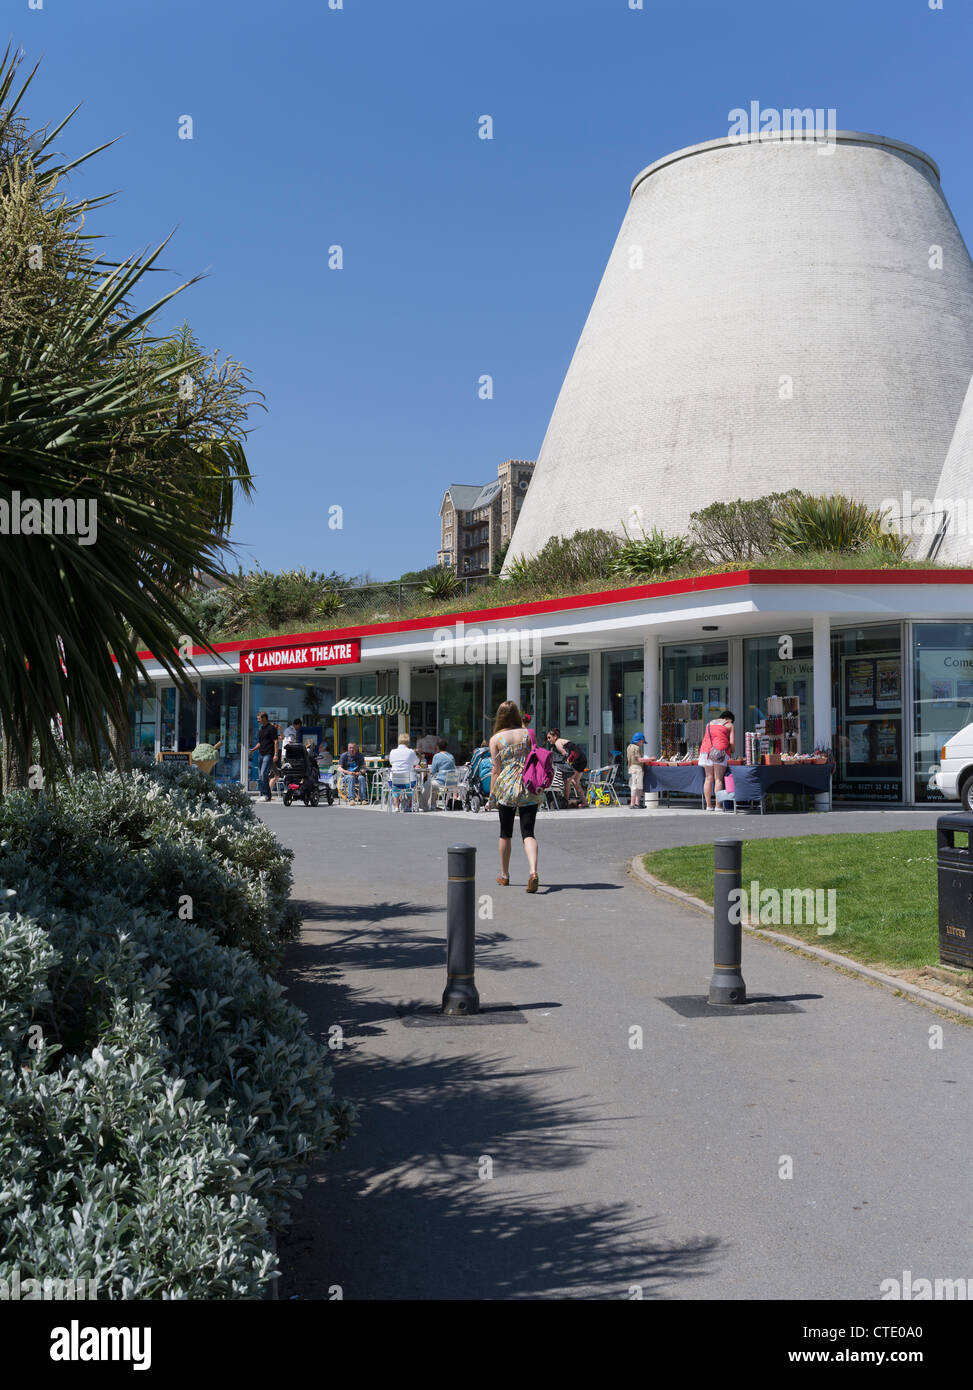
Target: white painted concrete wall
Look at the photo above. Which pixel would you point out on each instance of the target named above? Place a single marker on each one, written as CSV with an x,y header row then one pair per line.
x,y
760,262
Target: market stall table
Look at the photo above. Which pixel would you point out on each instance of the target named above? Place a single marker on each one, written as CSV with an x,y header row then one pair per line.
x,y
750,782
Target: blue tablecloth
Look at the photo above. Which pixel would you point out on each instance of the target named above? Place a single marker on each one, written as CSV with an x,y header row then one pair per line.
x,y
686,778
749,783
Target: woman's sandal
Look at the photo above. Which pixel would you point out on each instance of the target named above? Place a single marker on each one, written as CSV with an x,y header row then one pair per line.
x,y
532,884
504,882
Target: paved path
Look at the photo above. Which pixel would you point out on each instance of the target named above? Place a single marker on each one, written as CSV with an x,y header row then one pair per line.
x,y
611,1167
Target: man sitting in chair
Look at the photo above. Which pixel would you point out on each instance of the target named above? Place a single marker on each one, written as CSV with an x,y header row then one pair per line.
x,y
352,764
402,775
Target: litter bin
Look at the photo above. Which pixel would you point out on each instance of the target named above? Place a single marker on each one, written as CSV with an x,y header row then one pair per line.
x,y
955,868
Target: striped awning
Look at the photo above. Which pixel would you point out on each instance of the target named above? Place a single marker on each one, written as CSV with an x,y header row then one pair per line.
x,y
371,707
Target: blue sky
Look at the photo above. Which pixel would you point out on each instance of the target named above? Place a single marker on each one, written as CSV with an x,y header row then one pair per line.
x,y
358,127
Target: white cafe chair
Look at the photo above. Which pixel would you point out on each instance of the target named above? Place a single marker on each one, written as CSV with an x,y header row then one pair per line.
x,y
448,791
401,786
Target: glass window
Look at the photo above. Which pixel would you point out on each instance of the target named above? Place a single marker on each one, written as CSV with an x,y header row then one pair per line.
x,y
142,707
283,697
460,708
167,729
222,712
494,694
698,672
944,694
866,672
187,722
622,683
767,673
562,699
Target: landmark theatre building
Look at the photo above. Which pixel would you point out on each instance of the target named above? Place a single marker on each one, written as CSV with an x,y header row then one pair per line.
x,y
881,662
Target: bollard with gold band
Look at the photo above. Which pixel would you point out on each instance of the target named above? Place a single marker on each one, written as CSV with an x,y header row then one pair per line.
x,y
460,996
727,986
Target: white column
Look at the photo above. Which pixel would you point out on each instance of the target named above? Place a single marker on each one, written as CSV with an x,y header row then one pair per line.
x,y
596,751
735,692
651,701
513,680
821,653
245,735
404,691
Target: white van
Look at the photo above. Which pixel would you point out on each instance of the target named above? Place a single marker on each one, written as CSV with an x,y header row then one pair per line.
x,y
954,776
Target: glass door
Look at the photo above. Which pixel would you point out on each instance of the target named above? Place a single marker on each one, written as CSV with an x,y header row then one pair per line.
x,y
167,717
178,715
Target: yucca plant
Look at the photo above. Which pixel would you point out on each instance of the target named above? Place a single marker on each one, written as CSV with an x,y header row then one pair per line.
x,y
330,604
91,412
651,554
836,524
442,584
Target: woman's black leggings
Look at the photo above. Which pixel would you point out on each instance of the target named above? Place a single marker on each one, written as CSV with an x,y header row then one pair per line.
x,y
528,814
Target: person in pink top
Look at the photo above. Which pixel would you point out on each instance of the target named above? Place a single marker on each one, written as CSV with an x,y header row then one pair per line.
x,y
715,752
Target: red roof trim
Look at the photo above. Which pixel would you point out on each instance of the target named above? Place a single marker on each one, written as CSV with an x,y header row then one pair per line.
x,y
734,579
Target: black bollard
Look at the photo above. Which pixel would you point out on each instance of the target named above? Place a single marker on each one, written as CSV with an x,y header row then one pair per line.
x,y
727,985
460,996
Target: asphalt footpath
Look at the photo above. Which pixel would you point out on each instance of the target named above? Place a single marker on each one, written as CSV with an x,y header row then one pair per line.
x,y
598,1133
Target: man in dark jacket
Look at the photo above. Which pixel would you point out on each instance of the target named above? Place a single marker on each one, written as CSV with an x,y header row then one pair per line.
x,y
267,735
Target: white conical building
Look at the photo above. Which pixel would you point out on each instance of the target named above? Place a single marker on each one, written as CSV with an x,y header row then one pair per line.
x,y
775,313
952,507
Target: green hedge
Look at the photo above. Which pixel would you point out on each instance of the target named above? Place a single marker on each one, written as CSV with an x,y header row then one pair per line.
x,y
159,1098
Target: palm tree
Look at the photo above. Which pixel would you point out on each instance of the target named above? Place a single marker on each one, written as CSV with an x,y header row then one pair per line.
x,y
93,420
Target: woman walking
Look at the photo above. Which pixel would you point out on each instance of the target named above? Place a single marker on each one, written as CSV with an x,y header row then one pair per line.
x,y
509,747
714,753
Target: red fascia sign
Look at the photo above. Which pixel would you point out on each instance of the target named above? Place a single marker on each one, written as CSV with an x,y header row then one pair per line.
x,y
294,658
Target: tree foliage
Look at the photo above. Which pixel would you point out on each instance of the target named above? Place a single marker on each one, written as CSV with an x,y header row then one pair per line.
x,y
566,561
725,532
94,414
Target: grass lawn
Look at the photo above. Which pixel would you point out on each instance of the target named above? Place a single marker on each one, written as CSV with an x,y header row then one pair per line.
x,y
887,904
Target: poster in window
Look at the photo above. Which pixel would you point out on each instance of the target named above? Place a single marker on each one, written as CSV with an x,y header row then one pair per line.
x,y
631,708
887,742
964,690
861,684
887,675
571,710
715,696
942,690
697,695
859,743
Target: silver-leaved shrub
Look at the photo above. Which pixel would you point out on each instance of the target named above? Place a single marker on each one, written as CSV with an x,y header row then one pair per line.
x,y
159,1098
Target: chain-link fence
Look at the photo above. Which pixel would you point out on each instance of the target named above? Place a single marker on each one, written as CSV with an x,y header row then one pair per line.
x,y
378,603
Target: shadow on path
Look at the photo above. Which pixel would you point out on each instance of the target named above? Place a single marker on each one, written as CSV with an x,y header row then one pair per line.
x,y
423,1202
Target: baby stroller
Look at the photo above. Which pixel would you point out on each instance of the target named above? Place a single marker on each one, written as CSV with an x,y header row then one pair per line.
x,y
475,785
300,776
